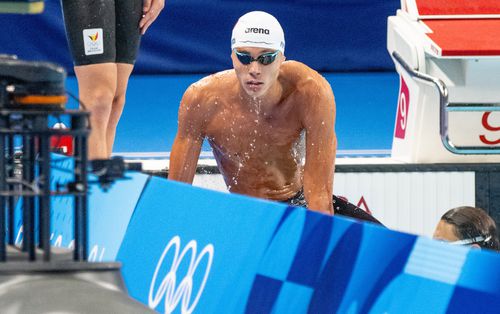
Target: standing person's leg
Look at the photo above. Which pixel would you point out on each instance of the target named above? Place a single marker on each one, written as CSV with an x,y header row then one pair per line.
x,y
123,73
128,37
91,33
97,85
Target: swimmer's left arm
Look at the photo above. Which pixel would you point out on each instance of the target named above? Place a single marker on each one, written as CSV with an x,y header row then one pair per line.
x,y
321,147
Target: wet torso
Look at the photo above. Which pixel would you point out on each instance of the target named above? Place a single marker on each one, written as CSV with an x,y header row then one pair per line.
x,y
258,148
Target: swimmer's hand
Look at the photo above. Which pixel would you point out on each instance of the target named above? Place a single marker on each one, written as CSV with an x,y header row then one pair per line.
x,y
150,11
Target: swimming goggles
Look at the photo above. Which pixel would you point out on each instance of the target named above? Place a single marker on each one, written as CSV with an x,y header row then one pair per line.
x,y
470,241
264,59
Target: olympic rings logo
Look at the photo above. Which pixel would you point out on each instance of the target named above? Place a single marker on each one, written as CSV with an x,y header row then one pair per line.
x,y
168,290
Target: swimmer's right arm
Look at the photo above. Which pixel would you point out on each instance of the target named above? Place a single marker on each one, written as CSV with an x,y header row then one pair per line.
x,y
188,141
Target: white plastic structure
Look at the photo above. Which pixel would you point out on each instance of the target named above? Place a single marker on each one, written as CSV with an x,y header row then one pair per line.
x,y
447,53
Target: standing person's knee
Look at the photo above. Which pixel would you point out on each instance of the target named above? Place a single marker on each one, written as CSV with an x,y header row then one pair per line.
x,y
116,111
119,100
100,103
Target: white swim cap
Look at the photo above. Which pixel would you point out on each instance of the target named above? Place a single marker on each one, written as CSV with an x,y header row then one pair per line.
x,y
258,29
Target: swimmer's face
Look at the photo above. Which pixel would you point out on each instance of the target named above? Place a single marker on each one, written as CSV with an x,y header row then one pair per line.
x,y
256,78
445,232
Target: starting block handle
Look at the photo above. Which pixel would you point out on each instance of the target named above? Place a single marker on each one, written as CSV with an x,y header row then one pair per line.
x,y
444,108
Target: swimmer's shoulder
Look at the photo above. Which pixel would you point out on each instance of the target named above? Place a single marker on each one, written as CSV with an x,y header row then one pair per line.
x,y
206,94
302,77
213,83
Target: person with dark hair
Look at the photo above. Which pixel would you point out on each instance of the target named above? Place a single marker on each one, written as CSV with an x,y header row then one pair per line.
x,y
467,225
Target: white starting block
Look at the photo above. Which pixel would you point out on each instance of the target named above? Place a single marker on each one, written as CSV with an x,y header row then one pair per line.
x,y
447,53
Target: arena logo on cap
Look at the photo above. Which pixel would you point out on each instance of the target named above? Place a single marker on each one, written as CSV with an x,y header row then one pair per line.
x,y
257,30
168,290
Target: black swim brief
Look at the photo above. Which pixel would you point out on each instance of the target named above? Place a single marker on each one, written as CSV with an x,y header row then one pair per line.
x,y
100,31
340,207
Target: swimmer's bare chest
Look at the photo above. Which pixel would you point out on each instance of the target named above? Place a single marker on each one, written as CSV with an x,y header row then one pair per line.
x,y
253,132
254,149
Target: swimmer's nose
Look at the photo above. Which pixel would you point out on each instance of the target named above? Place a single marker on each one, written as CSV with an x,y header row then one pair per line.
x,y
254,68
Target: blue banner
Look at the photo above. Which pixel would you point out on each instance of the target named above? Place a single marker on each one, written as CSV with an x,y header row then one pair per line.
x,y
187,248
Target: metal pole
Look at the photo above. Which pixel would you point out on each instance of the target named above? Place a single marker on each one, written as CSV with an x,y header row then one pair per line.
x,y
44,183
85,218
78,123
3,189
11,203
28,201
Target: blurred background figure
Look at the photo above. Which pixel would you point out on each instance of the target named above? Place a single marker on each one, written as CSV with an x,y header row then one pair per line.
x,y
467,225
104,40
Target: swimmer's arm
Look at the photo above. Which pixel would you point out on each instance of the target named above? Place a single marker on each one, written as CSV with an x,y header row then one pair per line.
x,y
321,147
188,141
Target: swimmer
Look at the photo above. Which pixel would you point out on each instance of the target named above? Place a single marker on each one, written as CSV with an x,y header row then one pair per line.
x,y
468,226
104,38
261,118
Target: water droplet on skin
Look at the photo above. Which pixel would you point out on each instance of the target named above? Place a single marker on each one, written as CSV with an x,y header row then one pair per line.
x,y
256,121
322,122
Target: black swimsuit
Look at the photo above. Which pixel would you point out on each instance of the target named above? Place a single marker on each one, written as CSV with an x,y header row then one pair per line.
x,y
340,207
100,31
